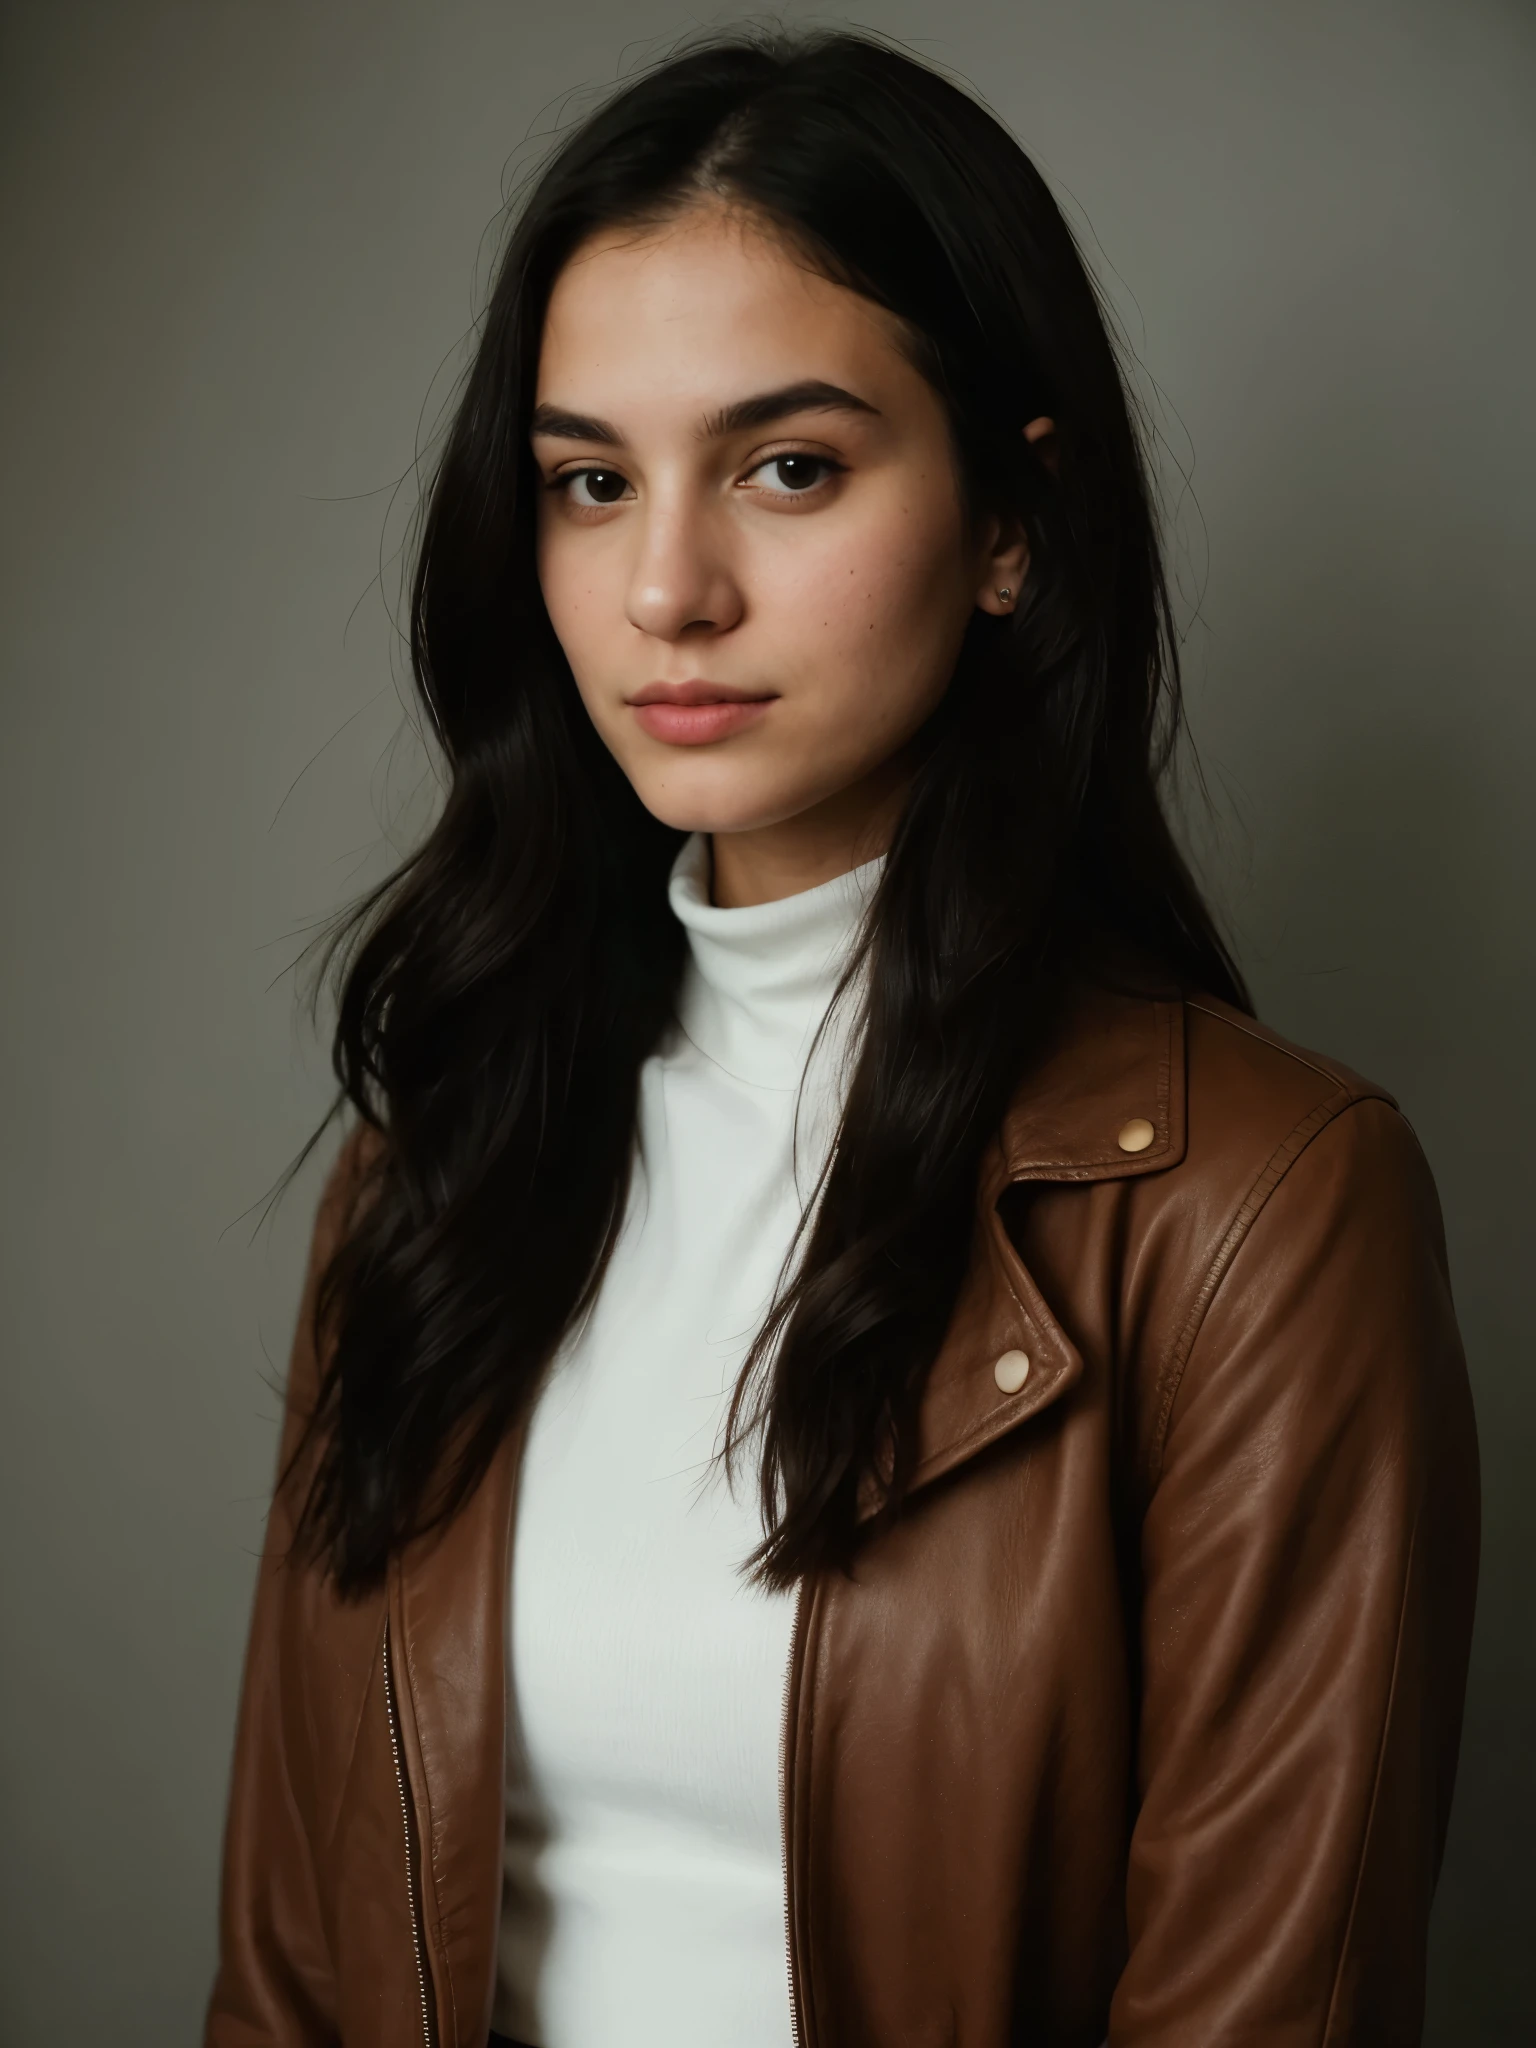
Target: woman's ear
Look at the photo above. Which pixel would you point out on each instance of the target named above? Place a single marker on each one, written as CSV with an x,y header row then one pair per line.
x,y
1041,436
1007,559
1004,566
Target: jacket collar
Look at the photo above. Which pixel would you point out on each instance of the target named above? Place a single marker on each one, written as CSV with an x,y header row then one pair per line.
x,y
1115,1060
1113,1066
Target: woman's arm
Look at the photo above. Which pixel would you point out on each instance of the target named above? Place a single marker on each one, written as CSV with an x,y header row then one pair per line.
x,y
1310,1558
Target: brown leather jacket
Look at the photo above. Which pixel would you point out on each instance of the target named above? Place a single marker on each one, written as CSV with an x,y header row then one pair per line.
x,y
1141,1721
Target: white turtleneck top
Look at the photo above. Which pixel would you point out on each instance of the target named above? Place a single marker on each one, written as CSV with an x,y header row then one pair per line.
x,y
644,1897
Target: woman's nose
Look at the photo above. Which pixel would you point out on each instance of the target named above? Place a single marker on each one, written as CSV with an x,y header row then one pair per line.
x,y
681,581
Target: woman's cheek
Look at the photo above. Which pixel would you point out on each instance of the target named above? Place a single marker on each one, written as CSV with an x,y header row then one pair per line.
x,y
585,608
837,602
882,625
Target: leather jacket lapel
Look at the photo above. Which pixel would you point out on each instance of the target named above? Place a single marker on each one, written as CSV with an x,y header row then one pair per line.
x,y
1115,1068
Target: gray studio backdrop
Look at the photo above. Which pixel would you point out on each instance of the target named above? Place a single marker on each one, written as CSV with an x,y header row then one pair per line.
x,y
241,245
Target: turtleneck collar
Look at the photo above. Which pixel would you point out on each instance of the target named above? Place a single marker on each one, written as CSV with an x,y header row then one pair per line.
x,y
759,978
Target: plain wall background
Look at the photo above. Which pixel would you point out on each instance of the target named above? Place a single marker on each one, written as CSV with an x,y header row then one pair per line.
x,y
240,244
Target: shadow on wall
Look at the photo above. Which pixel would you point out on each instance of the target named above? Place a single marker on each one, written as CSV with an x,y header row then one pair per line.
x,y
1385,923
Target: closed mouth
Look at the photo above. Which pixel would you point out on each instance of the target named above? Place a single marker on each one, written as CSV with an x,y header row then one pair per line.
x,y
697,691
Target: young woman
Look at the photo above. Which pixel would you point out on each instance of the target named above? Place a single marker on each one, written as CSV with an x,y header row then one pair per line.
x,y
869,1459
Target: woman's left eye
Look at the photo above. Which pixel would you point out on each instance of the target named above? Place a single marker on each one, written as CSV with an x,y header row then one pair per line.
x,y
790,475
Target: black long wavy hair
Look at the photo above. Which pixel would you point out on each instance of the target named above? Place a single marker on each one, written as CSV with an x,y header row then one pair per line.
x,y
498,995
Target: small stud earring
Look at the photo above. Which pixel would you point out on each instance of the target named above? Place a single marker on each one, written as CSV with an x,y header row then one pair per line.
x,y
1005,595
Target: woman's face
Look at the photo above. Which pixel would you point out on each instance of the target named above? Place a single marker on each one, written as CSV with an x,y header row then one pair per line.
x,y
752,542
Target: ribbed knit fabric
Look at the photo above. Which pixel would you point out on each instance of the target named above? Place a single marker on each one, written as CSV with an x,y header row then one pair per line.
x,y
644,1880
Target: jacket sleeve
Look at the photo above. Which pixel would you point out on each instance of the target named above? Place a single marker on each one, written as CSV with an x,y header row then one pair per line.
x,y
275,1985
1309,1560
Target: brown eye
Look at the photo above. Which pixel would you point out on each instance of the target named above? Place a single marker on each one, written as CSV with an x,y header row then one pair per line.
x,y
784,474
596,486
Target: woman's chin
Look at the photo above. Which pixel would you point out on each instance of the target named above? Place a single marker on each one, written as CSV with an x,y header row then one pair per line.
x,y
696,796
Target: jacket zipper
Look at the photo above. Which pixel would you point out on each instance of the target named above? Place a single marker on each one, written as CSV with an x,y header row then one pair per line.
x,y
791,1961
412,1888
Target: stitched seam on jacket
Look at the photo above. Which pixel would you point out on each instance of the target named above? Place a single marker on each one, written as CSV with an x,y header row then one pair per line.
x,y
1279,1163
1291,1052
1370,1812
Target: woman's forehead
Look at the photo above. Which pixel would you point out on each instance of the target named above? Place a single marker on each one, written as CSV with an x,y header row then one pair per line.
x,y
694,315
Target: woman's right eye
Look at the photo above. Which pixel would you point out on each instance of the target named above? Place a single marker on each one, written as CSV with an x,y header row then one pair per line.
x,y
593,487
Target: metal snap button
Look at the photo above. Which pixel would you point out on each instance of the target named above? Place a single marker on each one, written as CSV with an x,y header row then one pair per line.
x,y
1011,1371
1135,1136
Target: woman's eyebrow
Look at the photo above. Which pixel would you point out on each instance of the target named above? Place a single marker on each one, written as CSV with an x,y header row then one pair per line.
x,y
559,425
812,394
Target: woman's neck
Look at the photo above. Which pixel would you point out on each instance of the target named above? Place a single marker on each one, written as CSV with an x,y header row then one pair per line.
x,y
842,832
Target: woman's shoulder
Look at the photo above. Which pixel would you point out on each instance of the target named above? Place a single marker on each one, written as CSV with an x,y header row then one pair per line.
x,y
1252,1094
1234,1167
1141,1080
1296,1151
351,1177
1266,1219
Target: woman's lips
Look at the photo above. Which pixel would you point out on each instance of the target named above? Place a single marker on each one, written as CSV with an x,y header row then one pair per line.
x,y
694,725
